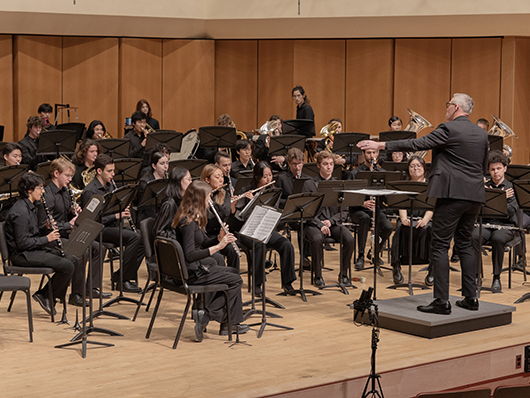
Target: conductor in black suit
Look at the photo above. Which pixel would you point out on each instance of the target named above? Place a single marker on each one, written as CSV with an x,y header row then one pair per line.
x,y
459,162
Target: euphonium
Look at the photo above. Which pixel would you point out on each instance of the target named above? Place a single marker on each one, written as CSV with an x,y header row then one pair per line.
x,y
501,129
329,131
416,124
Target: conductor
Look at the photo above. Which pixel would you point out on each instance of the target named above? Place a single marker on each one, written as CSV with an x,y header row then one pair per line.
x,y
459,163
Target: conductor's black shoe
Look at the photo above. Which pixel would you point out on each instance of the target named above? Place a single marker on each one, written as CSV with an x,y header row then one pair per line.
x,y
96,293
469,303
455,258
44,302
359,263
288,287
496,286
129,287
429,279
438,306
344,280
240,329
319,281
200,325
77,300
397,275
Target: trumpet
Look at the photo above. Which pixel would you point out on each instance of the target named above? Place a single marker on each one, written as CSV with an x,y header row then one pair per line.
x,y
212,207
236,198
129,219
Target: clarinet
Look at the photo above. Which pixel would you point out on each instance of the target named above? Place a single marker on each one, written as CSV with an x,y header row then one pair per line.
x,y
371,253
52,222
129,219
236,247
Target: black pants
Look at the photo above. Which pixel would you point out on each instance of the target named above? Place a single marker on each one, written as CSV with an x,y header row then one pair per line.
x,y
80,270
364,219
497,238
133,253
453,217
316,240
63,267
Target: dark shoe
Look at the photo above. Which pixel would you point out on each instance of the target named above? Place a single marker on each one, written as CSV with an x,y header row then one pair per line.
x,y
257,291
397,275
344,280
239,329
429,279
381,262
359,263
288,288
455,258
496,286
328,248
96,293
469,303
115,277
44,302
77,300
319,282
518,266
307,264
129,287
438,306
268,264
198,317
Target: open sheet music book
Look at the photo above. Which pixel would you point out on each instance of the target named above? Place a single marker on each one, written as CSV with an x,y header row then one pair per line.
x,y
261,223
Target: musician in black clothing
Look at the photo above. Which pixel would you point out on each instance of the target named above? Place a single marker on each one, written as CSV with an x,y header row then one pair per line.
x,y
133,251
326,222
159,167
137,135
45,111
143,106
303,109
245,162
12,153
362,215
96,130
31,244
30,143
497,238
222,160
286,179
85,156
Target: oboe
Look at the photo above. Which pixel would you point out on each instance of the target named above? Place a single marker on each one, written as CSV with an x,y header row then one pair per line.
x,y
129,219
234,244
52,223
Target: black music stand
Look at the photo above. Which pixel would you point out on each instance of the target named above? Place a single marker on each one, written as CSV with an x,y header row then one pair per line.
x,y
495,142
44,170
346,143
194,166
9,178
57,143
2,135
415,202
217,137
116,202
280,144
312,170
517,172
127,170
305,127
79,241
79,128
116,148
393,135
154,194
333,197
171,138
302,207
259,227
242,182
402,167
522,192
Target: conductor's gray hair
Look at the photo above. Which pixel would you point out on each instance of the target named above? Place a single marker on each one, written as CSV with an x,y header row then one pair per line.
x,y
465,102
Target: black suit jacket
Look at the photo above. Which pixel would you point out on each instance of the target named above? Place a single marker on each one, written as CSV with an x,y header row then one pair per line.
x,y
459,159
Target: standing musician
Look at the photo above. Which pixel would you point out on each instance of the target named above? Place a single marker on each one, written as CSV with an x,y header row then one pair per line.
x,y
179,181
459,162
363,215
96,130
84,157
159,166
137,135
497,238
30,143
60,204
222,160
303,109
133,252
144,107
31,244
326,222
205,264
245,162
12,153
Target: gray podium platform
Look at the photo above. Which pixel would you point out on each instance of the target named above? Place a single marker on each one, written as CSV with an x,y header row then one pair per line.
x,y
400,314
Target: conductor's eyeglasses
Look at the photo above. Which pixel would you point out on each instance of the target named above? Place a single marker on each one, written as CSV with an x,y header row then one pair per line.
x,y
448,104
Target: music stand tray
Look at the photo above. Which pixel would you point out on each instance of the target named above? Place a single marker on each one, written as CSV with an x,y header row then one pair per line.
x,y
396,135
217,137
194,166
379,178
10,176
522,192
171,138
517,172
57,142
127,170
304,127
496,142
346,143
280,144
312,170
116,148
79,128
154,194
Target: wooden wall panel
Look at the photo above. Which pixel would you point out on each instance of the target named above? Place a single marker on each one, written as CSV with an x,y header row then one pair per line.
x,y
369,85
90,79
422,78
275,79
6,85
476,71
38,76
236,82
188,89
319,67
140,77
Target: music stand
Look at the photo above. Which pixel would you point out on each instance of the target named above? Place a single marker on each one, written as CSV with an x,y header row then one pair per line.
x,y
302,207
79,241
171,138
242,182
379,178
127,170
522,192
495,142
57,143
44,170
9,178
217,137
305,127
312,170
280,144
154,194
79,128
346,144
194,166
517,172
116,148
393,135
2,135
402,167
415,202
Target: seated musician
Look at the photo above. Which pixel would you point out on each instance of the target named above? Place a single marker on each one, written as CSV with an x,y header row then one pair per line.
x,y
205,264
84,157
12,153
483,124
45,111
327,223
96,130
322,143
222,160
273,126
160,147
497,238
421,233
213,175
396,156
179,180
262,176
137,135
295,160
159,166
261,148
133,251
209,153
144,107
31,244
245,162
362,215
395,123
30,143
59,202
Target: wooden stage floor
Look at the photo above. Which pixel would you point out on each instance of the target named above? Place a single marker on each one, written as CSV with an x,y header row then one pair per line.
x,y
325,354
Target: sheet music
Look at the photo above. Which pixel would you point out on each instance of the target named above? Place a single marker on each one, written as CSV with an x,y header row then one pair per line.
x,y
261,223
376,192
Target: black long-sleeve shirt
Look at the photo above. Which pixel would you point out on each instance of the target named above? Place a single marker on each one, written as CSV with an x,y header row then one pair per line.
x,y
195,242
237,167
25,231
59,204
94,188
136,149
285,181
29,152
325,213
164,219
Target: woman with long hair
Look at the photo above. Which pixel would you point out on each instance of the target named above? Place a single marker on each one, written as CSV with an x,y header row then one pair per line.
x,y
143,106
96,130
85,156
204,267
159,165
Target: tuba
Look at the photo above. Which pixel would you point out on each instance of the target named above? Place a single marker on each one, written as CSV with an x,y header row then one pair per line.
x,y
329,131
501,129
416,124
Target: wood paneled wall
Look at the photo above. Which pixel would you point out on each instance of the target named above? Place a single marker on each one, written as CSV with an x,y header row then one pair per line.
x,y
6,85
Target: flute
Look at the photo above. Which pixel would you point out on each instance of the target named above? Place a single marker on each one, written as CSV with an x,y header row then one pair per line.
x,y
129,219
234,244
52,223
218,189
236,198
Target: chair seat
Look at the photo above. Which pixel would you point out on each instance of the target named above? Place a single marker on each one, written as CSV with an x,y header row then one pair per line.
x,y
13,283
193,289
29,270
